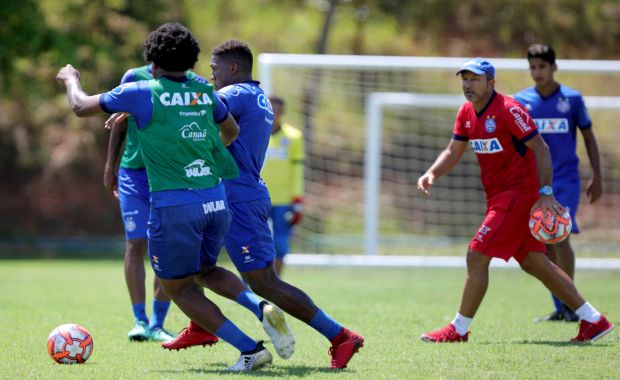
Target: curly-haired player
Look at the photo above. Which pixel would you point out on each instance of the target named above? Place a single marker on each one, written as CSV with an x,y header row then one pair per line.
x,y
182,132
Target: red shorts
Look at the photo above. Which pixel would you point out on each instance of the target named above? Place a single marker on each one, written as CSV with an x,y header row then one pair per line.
x,y
505,232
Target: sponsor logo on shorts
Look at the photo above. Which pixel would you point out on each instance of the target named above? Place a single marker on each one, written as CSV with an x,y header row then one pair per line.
x,y
486,146
559,125
188,98
197,169
521,118
214,206
245,251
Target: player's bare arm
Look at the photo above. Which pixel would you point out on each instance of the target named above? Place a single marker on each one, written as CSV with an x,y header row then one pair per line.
x,y
229,130
81,103
445,162
115,144
594,190
115,118
545,174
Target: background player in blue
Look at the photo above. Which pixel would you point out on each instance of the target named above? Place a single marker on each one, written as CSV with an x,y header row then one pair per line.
x,y
559,111
189,213
248,241
130,186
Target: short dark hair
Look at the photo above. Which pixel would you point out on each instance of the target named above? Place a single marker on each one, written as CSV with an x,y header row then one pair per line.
x,y
544,52
172,47
237,51
277,100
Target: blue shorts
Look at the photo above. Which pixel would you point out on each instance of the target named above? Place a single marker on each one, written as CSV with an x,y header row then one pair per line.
x,y
183,238
567,193
282,229
133,197
249,242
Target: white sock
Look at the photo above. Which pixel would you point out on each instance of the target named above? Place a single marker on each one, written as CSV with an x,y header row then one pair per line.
x,y
588,313
461,324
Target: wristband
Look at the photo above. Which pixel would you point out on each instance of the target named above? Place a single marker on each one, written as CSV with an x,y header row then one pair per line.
x,y
545,190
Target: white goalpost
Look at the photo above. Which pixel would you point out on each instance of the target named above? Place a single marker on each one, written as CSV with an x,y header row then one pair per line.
x,y
375,123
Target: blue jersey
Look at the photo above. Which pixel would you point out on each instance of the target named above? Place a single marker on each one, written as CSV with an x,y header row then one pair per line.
x,y
251,109
557,117
135,98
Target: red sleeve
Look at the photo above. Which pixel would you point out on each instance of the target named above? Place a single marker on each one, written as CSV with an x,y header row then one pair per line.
x,y
459,124
520,122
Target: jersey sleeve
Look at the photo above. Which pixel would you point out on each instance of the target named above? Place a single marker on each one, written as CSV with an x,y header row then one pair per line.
x,y
459,132
520,122
133,98
128,77
220,112
583,116
230,97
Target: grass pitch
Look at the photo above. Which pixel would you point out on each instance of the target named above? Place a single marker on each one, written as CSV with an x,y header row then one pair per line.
x,y
389,307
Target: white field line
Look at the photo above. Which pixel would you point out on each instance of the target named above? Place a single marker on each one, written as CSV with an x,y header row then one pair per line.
x,y
423,261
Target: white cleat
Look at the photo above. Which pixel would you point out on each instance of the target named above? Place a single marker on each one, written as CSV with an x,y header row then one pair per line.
x,y
280,334
259,358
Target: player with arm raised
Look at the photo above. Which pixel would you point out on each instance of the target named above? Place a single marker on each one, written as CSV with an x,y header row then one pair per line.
x,y
249,242
515,169
130,186
559,111
182,129
284,175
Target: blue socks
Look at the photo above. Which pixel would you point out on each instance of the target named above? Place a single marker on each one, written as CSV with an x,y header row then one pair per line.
x,y
559,305
251,302
139,312
325,324
231,334
160,310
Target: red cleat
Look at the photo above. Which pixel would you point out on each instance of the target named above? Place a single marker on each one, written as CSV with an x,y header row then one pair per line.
x,y
589,332
344,346
193,335
447,334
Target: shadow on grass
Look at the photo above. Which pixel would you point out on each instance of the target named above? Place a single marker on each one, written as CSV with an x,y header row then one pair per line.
x,y
270,371
548,343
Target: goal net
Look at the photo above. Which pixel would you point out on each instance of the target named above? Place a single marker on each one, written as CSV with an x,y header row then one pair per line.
x,y
373,125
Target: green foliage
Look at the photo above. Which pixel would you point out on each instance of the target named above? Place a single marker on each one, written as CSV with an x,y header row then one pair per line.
x,y
389,307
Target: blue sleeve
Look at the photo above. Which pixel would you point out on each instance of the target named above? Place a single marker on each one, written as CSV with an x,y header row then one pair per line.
x,y
220,112
134,98
583,116
129,76
230,97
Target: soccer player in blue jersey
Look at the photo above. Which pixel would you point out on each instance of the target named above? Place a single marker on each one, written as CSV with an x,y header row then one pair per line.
x,y
559,111
182,130
130,186
249,242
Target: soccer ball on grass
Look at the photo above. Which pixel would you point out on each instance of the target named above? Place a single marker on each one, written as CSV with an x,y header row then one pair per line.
x,y
70,344
550,229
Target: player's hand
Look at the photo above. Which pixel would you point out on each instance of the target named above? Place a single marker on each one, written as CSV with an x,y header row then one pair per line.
x,y
66,73
115,118
594,189
548,203
425,182
110,181
294,215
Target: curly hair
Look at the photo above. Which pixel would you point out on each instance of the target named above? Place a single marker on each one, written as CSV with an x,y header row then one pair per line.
x,y
236,51
172,47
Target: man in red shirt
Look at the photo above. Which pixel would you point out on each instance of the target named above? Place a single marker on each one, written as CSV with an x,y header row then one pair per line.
x,y
516,173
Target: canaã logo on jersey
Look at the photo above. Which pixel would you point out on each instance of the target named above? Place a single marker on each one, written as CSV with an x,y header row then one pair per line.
x,y
184,98
193,132
486,146
197,169
559,125
521,117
